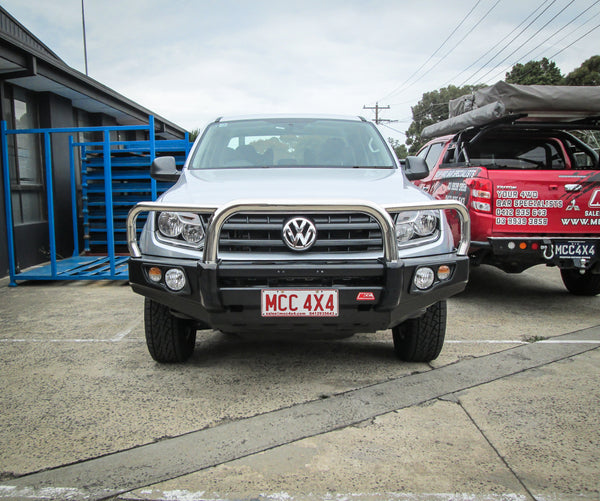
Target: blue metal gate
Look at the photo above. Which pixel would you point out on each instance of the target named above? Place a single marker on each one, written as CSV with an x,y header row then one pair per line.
x,y
115,175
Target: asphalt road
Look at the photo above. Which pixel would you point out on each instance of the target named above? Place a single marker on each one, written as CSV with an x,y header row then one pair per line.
x,y
508,411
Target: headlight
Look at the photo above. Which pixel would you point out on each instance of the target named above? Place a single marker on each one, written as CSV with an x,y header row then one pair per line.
x,y
169,224
415,225
181,227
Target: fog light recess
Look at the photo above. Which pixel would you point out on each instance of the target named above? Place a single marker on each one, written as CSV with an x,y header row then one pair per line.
x,y
175,279
424,278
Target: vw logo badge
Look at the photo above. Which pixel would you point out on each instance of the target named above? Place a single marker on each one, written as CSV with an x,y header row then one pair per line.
x,y
299,234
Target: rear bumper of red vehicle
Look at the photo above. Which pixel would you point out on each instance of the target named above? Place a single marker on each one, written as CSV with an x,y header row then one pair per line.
x,y
515,254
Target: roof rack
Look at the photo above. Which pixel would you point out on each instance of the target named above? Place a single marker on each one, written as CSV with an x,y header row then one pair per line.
x,y
527,106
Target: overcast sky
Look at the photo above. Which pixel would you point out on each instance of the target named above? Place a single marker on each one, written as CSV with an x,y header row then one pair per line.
x,y
193,60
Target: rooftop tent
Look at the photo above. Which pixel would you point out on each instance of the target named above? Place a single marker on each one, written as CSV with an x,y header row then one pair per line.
x,y
531,102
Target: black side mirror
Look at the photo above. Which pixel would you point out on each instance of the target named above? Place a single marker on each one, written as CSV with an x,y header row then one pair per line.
x,y
164,169
415,168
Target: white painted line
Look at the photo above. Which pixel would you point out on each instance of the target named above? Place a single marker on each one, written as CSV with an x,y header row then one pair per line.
x,y
499,341
484,341
125,332
34,340
120,337
12,492
508,341
558,341
185,495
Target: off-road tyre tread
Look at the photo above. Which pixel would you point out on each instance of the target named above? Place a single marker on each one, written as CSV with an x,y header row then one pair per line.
x,y
421,339
587,284
169,339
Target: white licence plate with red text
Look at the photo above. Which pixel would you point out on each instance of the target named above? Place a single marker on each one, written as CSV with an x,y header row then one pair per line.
x,y
299,303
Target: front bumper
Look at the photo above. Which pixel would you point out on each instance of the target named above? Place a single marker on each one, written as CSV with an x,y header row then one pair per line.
x,y
226,294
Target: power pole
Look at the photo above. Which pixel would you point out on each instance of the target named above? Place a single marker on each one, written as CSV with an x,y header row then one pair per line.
x,y
377,108
84,40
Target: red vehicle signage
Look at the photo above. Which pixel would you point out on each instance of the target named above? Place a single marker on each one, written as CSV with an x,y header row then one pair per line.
x,y
554,202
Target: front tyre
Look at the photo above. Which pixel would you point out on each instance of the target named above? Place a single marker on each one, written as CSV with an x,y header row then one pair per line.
x,y
581,284
169,339
421,339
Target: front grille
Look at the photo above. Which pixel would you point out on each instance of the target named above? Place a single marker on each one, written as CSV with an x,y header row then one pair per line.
x,y
336,233
299,282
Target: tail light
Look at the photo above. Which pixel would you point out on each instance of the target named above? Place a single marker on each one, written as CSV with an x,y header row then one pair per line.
x,y
481,194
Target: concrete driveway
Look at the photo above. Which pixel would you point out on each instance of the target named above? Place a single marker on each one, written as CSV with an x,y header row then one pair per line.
x,y
508,411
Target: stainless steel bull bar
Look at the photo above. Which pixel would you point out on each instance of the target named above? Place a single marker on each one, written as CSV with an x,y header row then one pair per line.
x,y
381,213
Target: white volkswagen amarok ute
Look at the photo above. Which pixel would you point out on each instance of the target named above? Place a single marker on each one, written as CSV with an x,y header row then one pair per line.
x,y
296,225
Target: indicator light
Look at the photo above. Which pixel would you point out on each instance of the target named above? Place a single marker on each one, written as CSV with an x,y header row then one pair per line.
x,y
155,274
522,246
443,272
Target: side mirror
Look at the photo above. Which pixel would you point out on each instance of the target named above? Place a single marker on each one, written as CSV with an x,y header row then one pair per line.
x,y
164,169
415,168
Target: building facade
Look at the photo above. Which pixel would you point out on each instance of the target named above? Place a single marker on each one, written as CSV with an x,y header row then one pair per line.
x,y
39,90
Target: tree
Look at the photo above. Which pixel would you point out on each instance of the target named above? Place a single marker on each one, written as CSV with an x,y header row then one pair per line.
x,y
432,108
398,147
542,72
194,134
587,74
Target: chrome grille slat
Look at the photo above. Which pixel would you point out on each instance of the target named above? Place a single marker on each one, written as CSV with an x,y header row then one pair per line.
x,y
251,243
345,233
337,242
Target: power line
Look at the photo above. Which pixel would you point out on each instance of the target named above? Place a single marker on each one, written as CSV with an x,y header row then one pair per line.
x,y
535,58
542,43
456,45
575,41
543,6
530,38
496,45
395,130
401,86
471,78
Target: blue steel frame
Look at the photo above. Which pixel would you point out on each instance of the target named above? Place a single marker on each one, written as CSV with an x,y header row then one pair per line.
x,y
110,267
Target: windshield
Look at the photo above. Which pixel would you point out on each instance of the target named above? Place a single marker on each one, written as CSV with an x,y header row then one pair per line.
x,y
291,142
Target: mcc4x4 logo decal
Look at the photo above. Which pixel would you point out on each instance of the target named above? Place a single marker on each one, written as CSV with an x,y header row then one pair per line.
x,y
589,183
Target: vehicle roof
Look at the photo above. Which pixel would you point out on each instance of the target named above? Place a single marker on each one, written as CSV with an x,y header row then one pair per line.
x,y
233,118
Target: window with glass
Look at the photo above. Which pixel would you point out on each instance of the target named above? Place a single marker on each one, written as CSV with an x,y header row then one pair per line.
x,y
25,159
290,143
516,153
433,154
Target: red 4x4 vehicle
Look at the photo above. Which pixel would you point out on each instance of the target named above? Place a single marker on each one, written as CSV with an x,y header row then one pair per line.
x,y
531,187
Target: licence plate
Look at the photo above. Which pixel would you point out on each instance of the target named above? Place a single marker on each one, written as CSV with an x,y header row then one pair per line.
x,y
574,249
299,303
